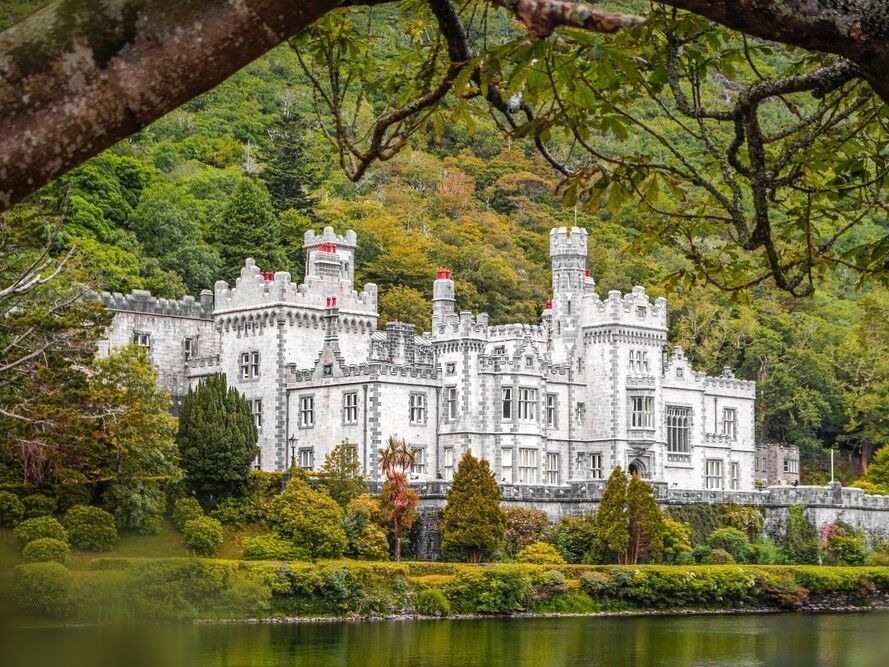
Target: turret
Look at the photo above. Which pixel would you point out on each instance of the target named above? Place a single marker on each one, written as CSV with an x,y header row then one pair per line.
x,y
568,252
330,256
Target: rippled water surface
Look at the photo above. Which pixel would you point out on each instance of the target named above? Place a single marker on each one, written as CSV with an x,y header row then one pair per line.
x,y
857,640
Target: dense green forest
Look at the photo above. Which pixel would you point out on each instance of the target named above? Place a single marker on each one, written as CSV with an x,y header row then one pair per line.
x,y
246,169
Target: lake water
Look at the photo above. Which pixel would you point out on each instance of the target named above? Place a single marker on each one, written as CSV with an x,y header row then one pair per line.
x,y
856,640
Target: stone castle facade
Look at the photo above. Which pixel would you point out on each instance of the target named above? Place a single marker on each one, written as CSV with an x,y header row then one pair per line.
x,y
549,405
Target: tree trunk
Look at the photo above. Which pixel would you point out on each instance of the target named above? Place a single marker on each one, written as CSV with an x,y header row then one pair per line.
x,y
397,540
76,77
867,452
475,555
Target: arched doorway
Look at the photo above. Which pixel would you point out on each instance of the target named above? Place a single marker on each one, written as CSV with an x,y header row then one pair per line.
x,y
638,467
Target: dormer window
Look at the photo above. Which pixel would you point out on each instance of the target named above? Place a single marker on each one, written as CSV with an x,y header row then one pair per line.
x,y
529,361
680,373
327,370
640,311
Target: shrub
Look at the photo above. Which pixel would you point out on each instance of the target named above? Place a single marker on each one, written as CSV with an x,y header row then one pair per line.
x,y
239,511
573,536
311,520
185,509
43,588
373,544
765,552
203,535
748,520
37,505
547,585
524,526
11,510
540,553
846,550
46,549
91,528
675,542
801,538
732,541
495,590
43,526
719,557
138,504
268,546
432,602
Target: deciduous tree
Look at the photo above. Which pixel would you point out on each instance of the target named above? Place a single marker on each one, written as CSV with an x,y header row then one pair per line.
x,y
341,473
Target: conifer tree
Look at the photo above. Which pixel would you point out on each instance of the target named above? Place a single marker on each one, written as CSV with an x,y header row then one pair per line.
x,y
285,170
473,522
217,438
249,228
646,521
612,522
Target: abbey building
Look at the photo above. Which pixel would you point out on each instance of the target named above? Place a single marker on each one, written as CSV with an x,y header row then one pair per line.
x,y
589,388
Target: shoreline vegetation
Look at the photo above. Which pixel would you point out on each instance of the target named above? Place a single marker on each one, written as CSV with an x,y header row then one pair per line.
x,y
127,590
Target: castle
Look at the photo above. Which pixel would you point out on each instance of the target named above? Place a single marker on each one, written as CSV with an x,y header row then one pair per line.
x,y
589,388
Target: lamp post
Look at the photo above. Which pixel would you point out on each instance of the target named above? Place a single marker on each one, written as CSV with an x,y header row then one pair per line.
x,y
290,453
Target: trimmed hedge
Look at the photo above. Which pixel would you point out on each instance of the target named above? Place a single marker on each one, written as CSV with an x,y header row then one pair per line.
x,y
187,588
268,546
91,528
45,550
43,526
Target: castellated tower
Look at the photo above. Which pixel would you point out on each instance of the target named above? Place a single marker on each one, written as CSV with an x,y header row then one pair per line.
x,y
568,254
330,256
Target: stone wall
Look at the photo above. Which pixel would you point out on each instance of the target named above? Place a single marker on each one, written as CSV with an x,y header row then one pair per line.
x,y
824,505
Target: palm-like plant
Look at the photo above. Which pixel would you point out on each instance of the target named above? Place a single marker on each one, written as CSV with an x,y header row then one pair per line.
x,y
398,499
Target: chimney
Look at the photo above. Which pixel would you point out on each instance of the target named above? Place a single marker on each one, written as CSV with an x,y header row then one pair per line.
x,y
442,295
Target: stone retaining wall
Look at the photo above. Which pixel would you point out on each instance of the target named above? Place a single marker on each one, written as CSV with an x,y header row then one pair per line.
x,y
824,505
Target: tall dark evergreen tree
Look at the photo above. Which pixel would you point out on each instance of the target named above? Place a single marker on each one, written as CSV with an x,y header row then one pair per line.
x,y
249,228
285,171
217,438
474,523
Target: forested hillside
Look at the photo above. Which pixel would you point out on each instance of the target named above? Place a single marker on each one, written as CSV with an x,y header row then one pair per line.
x,y
244,170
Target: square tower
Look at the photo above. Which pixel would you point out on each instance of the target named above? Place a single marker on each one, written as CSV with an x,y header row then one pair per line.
x,y
330,257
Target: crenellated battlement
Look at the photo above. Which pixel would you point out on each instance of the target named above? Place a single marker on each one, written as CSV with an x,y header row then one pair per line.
x,y
632,308
453,325
367,371
512,331
568,241
312,239
142,301
259,289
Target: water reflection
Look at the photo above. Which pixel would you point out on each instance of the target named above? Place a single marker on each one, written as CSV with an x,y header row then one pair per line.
x,y
858,640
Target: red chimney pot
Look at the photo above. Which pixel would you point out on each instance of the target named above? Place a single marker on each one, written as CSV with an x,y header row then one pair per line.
x,y
587,273
548,305
443,274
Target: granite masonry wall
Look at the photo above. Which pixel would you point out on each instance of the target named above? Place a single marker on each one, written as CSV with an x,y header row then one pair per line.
x,y
824,505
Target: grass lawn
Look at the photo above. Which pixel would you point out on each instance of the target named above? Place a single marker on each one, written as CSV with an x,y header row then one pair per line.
x,y
132,545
